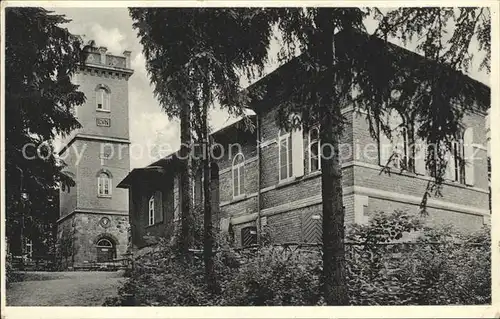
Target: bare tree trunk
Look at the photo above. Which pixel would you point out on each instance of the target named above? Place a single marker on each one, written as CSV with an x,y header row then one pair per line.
x,y
334,275
186,237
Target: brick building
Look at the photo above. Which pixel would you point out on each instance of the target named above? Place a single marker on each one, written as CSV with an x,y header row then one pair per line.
x,y
93,223
274,178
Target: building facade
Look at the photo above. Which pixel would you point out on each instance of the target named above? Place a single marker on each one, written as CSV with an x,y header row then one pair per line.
x,y
272,178
93,222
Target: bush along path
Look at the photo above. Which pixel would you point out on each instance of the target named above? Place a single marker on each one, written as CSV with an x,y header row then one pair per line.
x,y
392,260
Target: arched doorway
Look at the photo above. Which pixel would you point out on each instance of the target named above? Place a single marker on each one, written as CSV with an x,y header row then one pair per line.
x,y
106,250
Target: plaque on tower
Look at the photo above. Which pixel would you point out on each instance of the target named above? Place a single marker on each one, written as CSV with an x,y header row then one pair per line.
x,y
105,222
103,122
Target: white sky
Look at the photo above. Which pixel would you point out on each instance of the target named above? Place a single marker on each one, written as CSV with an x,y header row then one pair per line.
x,y
112,28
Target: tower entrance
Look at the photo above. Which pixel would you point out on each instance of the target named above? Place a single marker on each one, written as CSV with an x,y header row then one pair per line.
x,y
106,250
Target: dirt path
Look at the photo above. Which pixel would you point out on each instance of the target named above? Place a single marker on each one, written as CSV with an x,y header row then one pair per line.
x,y
78,288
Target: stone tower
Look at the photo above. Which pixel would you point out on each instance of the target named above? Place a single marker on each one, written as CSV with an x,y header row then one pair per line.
x,y
93,221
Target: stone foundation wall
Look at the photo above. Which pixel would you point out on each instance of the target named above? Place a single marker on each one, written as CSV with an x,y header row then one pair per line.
x,y
81,232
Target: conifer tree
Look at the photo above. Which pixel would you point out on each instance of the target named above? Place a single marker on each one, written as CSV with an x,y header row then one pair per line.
x,y
40,58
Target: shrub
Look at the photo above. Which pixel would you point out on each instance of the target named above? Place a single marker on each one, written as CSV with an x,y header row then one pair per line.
x,y
160,278
456,270
439,266
442,265
275,277
11,274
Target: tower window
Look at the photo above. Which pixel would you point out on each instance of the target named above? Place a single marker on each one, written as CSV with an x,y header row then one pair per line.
x,y
104,184
102,98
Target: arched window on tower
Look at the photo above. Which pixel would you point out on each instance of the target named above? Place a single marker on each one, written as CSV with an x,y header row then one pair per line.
x,y
103,99
104,183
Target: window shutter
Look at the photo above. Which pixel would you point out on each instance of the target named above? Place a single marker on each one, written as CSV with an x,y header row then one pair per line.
x,y
398,138
94,100
420,152
469,156
198,189
107,101
224,224
450,166
235,176
420,157
488,132
176,195
241,174
145,207
158,207
297,152
385,148
388,148
399,148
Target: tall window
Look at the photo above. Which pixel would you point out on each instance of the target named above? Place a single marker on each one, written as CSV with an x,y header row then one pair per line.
x,y
151,210
285,155
102,99
314,150
394,152
29,248
104,184
456,170
238,175
197,187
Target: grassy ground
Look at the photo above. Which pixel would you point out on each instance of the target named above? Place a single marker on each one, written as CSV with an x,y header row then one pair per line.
x,y
78,288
